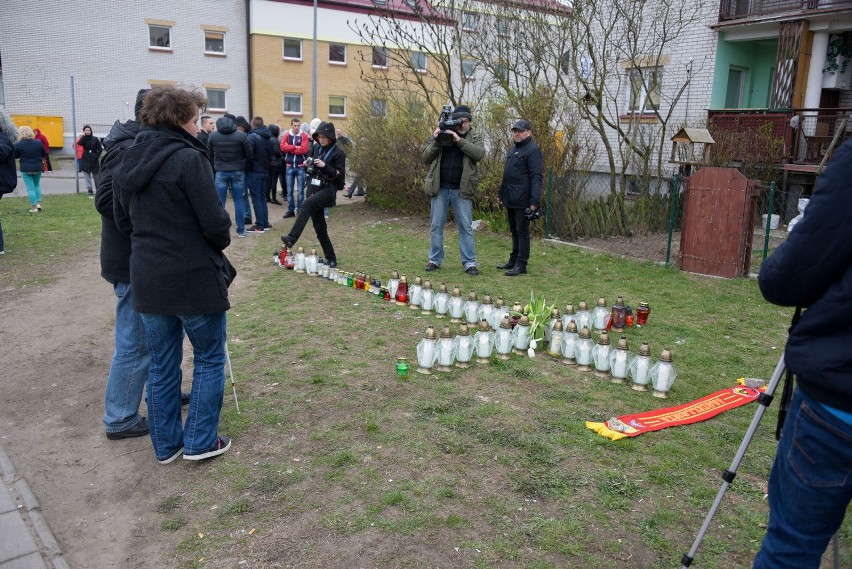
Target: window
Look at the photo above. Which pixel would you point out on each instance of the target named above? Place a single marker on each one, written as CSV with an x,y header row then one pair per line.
x,y
645,87
417,109
216,100
469,21
734,92
501,71
418,60
502,26
292,103
565,62
379,108
337,53
293,48
160,37
468,67
380,57
336,106
214,42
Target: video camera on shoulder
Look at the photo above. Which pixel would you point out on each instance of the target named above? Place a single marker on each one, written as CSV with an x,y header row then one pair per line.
x,y
447,123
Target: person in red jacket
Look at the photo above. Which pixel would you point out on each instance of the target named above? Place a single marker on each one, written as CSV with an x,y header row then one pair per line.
x,y
43,139
294,146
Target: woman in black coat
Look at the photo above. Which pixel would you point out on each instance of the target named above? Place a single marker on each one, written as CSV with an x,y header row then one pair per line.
x,y
91,149
327,178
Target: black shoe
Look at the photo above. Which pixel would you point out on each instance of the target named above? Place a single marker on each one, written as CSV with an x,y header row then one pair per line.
x,y
184,398
359,194
516,270
140,429
268,200
287,241
430,266
288,214
348,196
506,266
472,271
276,202
332,264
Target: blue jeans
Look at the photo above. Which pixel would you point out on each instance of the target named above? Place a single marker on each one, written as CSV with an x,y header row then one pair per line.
x,y
809,487
235,180
208,334
295,174
129,370
32,180
256,182
463,210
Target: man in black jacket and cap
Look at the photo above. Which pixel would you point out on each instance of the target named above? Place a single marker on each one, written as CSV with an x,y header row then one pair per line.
x,y
229,151
520,194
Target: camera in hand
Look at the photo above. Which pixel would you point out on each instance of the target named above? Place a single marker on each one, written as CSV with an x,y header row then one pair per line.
x,y
446,123
310,168
533,215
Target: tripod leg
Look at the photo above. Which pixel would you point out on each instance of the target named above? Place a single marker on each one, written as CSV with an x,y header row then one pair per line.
x,y
728,475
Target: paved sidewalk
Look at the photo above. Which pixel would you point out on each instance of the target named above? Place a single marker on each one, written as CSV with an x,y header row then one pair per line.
x,y
27,542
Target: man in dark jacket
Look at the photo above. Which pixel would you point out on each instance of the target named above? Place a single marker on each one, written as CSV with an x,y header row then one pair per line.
x,y
207,126
326,177
229,151
128,372
452,181
261,142
276,168
810,484
521,191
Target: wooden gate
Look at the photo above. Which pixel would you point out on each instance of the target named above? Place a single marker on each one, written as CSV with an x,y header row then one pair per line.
x,y
718,222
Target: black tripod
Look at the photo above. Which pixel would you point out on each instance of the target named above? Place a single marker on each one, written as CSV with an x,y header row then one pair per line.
x,y
764,399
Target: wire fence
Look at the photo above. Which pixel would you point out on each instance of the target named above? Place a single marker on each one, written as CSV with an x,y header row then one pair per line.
x,y
622,216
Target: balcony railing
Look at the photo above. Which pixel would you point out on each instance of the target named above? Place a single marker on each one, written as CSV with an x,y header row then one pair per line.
x,y
794,136
742,9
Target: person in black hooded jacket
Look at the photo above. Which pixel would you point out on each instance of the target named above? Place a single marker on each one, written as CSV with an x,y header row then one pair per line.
x,y
328,177
168,204
230,151
261,142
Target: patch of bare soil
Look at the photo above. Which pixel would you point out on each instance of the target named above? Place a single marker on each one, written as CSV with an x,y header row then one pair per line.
x,y
100,497
650,247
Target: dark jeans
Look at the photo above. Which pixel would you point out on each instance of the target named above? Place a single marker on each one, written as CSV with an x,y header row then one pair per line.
x,y
312,208
809,486
272,177
256,182
519,225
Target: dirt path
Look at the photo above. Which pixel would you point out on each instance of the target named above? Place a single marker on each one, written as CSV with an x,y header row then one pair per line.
x,y
100,497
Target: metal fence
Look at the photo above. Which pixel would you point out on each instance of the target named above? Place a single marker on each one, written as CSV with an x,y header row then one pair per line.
x,y
627,219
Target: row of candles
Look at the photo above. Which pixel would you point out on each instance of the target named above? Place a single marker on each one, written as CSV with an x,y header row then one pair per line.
x,y
568,336
421,296
570,347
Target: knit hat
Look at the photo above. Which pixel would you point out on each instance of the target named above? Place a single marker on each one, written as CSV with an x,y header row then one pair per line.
x,y
241,121
140,97
314,124
275,130
462,112
306,128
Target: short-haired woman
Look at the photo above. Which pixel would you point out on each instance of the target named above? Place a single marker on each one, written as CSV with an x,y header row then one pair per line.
x,y
169,205
30,152
89,150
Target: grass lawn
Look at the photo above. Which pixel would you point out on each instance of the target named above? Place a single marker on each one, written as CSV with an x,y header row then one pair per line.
x,y
338,462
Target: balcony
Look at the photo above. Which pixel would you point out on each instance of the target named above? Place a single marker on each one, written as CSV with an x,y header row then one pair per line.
x,y
797,139
753,9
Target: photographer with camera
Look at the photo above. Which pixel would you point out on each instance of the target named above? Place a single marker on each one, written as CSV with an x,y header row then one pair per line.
x,y
810,484
452,180
520,194
326,175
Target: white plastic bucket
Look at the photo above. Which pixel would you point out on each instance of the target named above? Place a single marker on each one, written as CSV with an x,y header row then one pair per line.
x,y
773,223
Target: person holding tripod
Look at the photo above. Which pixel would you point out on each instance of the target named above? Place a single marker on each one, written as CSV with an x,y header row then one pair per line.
x,y
810,484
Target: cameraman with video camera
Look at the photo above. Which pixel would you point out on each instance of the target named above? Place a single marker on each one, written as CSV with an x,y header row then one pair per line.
x,y
452,180
810,484
520,194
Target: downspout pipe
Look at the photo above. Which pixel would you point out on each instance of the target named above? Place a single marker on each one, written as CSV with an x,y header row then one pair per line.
x,y
248,58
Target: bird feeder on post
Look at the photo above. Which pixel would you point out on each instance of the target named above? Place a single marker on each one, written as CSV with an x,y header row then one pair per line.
x,y
691,147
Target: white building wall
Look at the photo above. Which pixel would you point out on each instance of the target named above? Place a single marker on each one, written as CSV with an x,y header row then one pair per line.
x,y
104,45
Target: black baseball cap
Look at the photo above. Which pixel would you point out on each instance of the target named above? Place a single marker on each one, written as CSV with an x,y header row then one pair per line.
x,y
521,125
